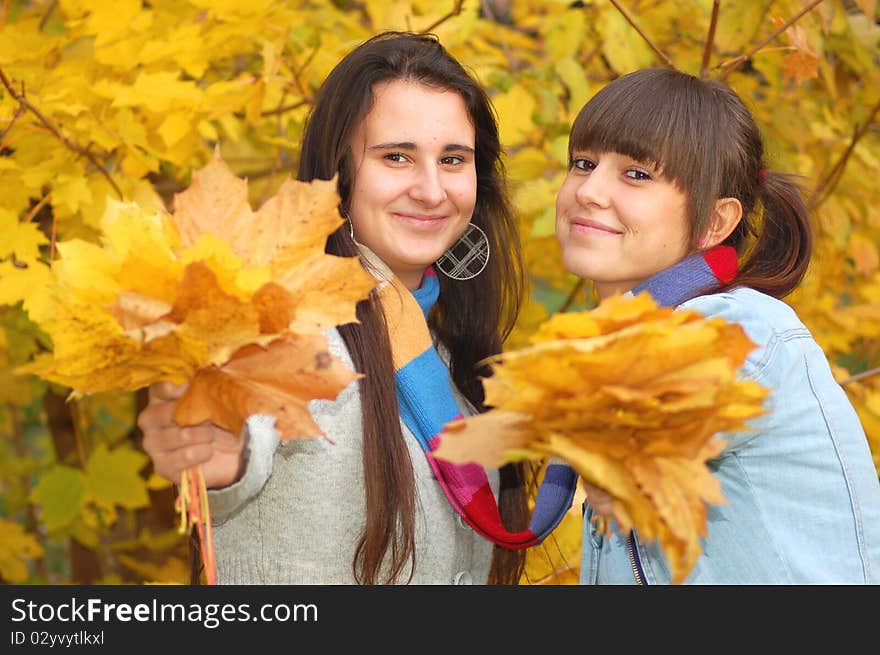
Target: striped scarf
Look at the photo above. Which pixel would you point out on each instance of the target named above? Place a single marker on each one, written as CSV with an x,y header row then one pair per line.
x,y
427,402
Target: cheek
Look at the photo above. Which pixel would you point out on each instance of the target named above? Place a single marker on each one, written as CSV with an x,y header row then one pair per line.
x,y
371,191
566,196
464,192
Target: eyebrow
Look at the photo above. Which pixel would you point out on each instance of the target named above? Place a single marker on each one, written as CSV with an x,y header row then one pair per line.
x,y
409,145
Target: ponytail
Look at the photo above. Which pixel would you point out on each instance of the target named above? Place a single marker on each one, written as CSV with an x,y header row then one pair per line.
x,y
783,242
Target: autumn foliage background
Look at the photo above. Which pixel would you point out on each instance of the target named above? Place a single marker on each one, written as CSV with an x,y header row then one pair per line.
x,y
125,98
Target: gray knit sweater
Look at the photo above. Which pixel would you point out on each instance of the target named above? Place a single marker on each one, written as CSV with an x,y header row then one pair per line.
x,y
296,514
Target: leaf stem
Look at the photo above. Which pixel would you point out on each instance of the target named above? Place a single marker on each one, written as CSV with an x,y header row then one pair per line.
x,y
192,504
666,60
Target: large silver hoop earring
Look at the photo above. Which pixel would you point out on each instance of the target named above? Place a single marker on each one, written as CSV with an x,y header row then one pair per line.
x,y
467,257
344,213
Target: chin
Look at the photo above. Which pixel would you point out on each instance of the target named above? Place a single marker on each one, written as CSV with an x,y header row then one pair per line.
x,y
576,266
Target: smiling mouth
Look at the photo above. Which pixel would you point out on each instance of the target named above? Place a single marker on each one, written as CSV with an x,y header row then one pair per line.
x,y
593,228
420,220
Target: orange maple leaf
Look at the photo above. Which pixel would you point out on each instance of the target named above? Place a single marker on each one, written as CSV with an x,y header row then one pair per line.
x,y
277,380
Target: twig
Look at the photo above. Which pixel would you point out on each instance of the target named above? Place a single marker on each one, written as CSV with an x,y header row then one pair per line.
x,y
45,18
456,10
735,63
5,13
306,96
53,238
18,112
860,376
826,186
710,39
84,152
282,110
36,208
267,171
571,294
658,51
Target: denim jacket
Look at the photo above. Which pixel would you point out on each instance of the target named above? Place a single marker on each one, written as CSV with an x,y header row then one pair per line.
x,y
803,497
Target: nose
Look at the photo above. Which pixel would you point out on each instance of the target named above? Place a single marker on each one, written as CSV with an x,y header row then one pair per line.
x,y
427,187
595,187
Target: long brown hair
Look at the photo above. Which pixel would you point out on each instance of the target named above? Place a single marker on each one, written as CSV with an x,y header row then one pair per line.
x,y
703,139
471,318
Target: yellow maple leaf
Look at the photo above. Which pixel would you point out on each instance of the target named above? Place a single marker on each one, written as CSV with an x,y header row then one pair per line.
x,y
17,547
640,426
211,292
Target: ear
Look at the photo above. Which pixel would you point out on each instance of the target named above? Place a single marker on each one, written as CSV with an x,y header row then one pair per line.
x,y
725,217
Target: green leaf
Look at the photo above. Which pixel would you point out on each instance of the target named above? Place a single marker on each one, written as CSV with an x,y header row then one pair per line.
x,y
61,493
113,478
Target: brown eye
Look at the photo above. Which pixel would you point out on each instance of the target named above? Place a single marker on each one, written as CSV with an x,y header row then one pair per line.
x,y
636,174
583,164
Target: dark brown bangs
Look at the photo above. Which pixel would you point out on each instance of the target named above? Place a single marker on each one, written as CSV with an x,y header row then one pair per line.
x,y
660,117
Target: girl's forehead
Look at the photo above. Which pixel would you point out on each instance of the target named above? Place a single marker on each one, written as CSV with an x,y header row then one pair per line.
x,y
410,112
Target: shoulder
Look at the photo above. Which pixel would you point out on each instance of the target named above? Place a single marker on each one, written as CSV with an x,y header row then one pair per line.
x,y
767,321
757,312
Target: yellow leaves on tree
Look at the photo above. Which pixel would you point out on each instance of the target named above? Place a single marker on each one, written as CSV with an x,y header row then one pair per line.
x,y
632,396
233,301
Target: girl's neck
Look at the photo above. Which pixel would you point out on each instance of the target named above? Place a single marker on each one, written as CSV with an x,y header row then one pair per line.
x,y
412,279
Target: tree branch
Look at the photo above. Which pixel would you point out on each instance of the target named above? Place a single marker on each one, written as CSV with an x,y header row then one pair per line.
x,y
735,63
826,186
579,285
36,208
658,51
710,39
456,10
49,10
283,110
18,112
860,376
79,150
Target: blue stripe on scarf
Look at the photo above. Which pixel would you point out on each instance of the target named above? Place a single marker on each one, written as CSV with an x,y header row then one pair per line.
x,y
426,295
555,496
688,279
425,398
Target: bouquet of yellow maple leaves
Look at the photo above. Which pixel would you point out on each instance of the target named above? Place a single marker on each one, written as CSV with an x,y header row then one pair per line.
x,y
631,395
230,300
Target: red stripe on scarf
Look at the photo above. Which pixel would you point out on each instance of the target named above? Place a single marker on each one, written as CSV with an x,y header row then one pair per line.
x,y
722,261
